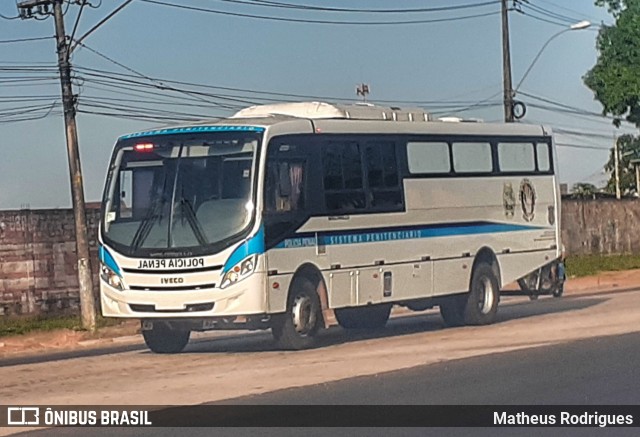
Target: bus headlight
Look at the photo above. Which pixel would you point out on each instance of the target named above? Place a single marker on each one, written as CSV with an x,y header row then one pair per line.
x,y
111,277
240,271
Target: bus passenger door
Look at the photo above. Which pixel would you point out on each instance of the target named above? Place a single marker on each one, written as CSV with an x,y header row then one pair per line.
x,y
289,225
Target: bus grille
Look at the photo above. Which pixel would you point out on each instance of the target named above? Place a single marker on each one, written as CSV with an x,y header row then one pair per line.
x,y
189,309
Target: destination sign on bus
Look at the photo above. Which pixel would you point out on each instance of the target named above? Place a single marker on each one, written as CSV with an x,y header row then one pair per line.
x,y
175,263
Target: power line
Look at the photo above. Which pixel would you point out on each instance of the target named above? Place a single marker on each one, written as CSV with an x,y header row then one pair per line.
x,y
254,95
31,118
310,21
39,38
25,110
121,82
481,103
548,13
535,17
100,23
283,5
564,106
156,83
592,18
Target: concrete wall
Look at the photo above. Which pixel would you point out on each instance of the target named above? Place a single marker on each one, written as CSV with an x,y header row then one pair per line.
x,y
601,226
38,271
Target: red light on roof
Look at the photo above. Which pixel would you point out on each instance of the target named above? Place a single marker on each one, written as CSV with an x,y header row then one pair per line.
x,y
144,147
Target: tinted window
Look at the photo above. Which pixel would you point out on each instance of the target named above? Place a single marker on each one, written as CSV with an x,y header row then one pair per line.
x,y
342,175
361,175
383,180
382,165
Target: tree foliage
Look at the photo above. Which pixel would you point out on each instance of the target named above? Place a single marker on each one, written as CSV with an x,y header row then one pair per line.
x,y
628,150
584,190
615,79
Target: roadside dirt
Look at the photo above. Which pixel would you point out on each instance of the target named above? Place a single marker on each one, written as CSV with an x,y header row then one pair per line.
x,y
128,332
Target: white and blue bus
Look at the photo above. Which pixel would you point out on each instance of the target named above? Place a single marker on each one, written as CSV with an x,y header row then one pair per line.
x,y
298,216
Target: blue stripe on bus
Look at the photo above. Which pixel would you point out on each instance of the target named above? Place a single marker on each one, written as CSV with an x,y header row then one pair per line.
x,y
193,129
253,246
375,235
107,259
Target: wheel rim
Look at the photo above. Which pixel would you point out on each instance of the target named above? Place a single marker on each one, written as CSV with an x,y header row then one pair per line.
x,y
487,295
303,315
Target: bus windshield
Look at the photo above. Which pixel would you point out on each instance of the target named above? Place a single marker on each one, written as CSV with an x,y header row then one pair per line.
x,y
180,194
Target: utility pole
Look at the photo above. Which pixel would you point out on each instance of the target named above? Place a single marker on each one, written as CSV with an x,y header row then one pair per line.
x,y
85,279
636,167
616,166
507,93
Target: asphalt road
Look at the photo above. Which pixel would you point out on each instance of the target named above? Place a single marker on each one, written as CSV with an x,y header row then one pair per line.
x,y
596,371
580,349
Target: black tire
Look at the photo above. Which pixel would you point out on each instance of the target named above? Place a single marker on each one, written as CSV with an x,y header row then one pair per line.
x,y
483,297
558,290
164,340
528,285
368,317
452,310
534,286
297,327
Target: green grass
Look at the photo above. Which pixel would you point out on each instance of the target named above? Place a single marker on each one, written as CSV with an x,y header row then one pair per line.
x,y
17,325
24,325
586,265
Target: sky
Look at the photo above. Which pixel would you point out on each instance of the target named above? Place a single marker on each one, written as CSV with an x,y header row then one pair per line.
x,y
152,64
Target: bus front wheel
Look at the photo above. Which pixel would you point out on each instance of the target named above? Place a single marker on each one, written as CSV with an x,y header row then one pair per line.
x,y
296,328
162,339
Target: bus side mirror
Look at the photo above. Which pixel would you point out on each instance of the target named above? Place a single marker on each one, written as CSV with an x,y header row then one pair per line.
x,y
284,180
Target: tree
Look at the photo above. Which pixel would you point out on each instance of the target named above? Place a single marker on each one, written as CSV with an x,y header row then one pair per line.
x,y
584,190
628,149
615,79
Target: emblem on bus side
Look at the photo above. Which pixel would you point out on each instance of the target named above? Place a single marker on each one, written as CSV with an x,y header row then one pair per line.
x,y
508,200
527,199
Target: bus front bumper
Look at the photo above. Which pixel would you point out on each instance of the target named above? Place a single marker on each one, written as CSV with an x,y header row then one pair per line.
x,y
243,298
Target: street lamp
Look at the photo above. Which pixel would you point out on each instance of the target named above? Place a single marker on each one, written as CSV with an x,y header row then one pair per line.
x,y
576,26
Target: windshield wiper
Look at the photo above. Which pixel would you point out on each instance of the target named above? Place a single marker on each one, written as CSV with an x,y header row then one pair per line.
x,y
147,224
190,215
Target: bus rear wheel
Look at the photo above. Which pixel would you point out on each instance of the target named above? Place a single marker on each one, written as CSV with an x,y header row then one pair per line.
x,y
484,295
369,317
162,339
297,327
477,307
